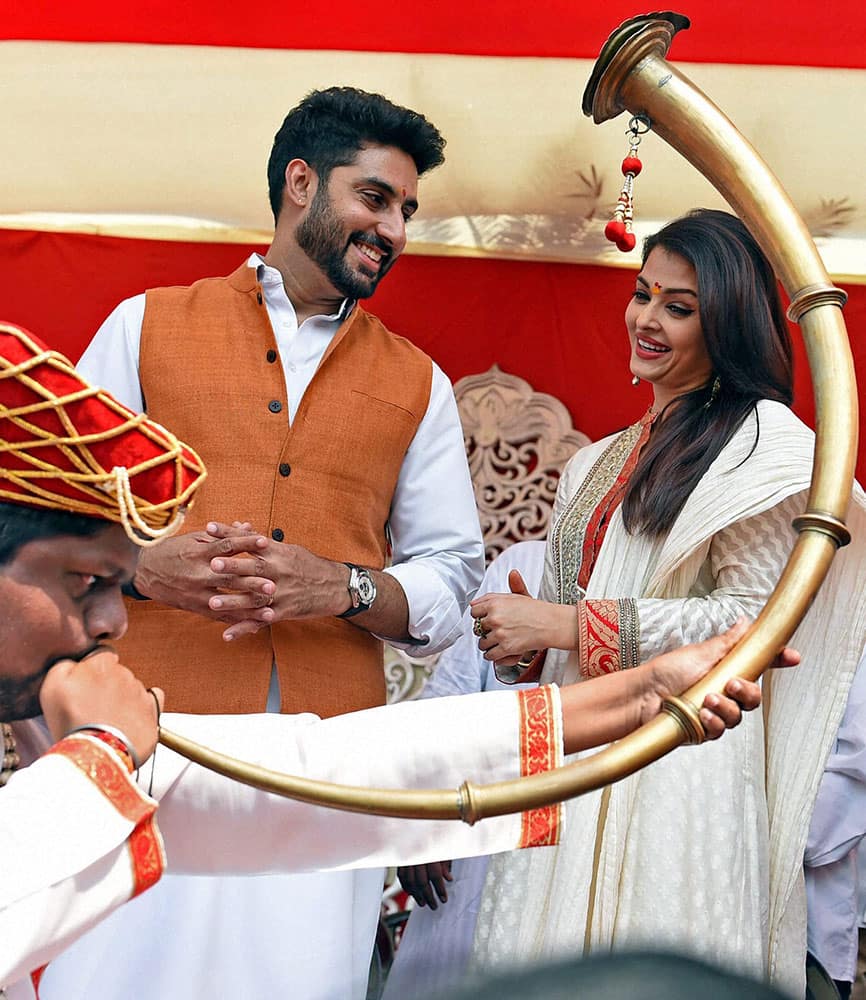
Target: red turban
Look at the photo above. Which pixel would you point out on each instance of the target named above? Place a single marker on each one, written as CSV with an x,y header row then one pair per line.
x,y
69,446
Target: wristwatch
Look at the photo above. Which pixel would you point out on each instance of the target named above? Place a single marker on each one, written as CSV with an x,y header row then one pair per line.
x,y
362,590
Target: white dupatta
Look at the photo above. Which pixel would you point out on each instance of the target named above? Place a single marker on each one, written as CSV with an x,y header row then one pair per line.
x,y
702,851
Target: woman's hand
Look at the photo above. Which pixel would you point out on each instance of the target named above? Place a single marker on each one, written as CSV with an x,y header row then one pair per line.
x,y
515,624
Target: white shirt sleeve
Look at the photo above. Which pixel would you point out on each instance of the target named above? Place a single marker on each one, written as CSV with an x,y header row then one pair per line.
x,y
462,669
65,825
111,358
438,551
66,863
211,824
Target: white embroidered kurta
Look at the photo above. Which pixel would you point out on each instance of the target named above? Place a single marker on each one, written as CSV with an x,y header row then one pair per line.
x,y
68,821
695,852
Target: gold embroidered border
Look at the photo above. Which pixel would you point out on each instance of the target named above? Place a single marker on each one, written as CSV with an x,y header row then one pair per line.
x,y
147,855
539,738
629,633
105,770
568,534
598,637
608,633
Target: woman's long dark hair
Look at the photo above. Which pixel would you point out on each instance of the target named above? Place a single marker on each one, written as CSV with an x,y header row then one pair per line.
x,y
749,344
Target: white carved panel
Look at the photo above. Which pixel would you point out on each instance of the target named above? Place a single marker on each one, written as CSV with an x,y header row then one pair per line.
x,y
517,441
405,675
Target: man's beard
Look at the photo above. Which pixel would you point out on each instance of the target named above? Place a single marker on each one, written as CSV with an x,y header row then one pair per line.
x,y
19,696
323,240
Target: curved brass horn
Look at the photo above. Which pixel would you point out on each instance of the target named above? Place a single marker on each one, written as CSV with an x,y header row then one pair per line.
x,y
632,74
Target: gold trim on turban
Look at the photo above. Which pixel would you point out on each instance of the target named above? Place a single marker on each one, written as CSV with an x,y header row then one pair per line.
x,y
122,467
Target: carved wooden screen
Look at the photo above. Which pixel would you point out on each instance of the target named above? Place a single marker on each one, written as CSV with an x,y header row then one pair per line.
x,y
517,441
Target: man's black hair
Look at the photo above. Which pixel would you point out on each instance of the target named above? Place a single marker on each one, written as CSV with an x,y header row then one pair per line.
x,y
329,127
20,525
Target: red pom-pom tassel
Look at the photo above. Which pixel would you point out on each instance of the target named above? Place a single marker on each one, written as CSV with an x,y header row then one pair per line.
x,y
614,230
632,165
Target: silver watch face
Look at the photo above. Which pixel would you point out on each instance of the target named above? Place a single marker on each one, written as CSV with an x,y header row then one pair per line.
x,y
366,588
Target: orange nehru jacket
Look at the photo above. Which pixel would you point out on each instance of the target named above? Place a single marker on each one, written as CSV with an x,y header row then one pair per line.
x,y
210,370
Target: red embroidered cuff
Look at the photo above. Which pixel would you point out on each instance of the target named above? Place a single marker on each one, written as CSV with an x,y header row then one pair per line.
x,y
92,756
146,854
607,634
89,752
598,637
541,740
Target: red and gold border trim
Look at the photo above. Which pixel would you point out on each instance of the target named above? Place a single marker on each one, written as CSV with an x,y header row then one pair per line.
x,y
540,739
598,637
608,636
147,856
107,771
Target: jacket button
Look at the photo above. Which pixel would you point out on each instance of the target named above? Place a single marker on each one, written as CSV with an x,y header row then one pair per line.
x,y
271,356
277,534
285,469
275,406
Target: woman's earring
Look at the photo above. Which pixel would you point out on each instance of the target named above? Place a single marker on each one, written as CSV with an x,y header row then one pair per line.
x,y
635,380
714,392
618,230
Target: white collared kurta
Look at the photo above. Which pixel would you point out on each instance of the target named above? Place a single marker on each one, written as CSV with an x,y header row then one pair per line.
x,y
78,837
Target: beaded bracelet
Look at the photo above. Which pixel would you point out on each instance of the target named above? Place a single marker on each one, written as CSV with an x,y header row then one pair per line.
x,y
114,738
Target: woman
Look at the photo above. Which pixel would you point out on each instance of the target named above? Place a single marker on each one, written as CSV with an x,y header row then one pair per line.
x,y
664,534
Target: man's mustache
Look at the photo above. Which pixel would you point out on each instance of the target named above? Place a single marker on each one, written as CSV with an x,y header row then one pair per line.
x,y
96,647
373,240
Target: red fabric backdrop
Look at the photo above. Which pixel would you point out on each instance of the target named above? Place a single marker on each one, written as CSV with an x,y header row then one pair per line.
x,y
558,325
772,32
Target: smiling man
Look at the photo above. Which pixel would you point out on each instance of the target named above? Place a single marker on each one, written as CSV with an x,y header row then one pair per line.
x,y
340,445
327,434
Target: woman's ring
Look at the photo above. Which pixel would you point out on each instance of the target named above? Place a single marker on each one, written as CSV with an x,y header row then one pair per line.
x,y
479,629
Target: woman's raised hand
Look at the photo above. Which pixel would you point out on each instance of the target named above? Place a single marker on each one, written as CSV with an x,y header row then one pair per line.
x,y
509,626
